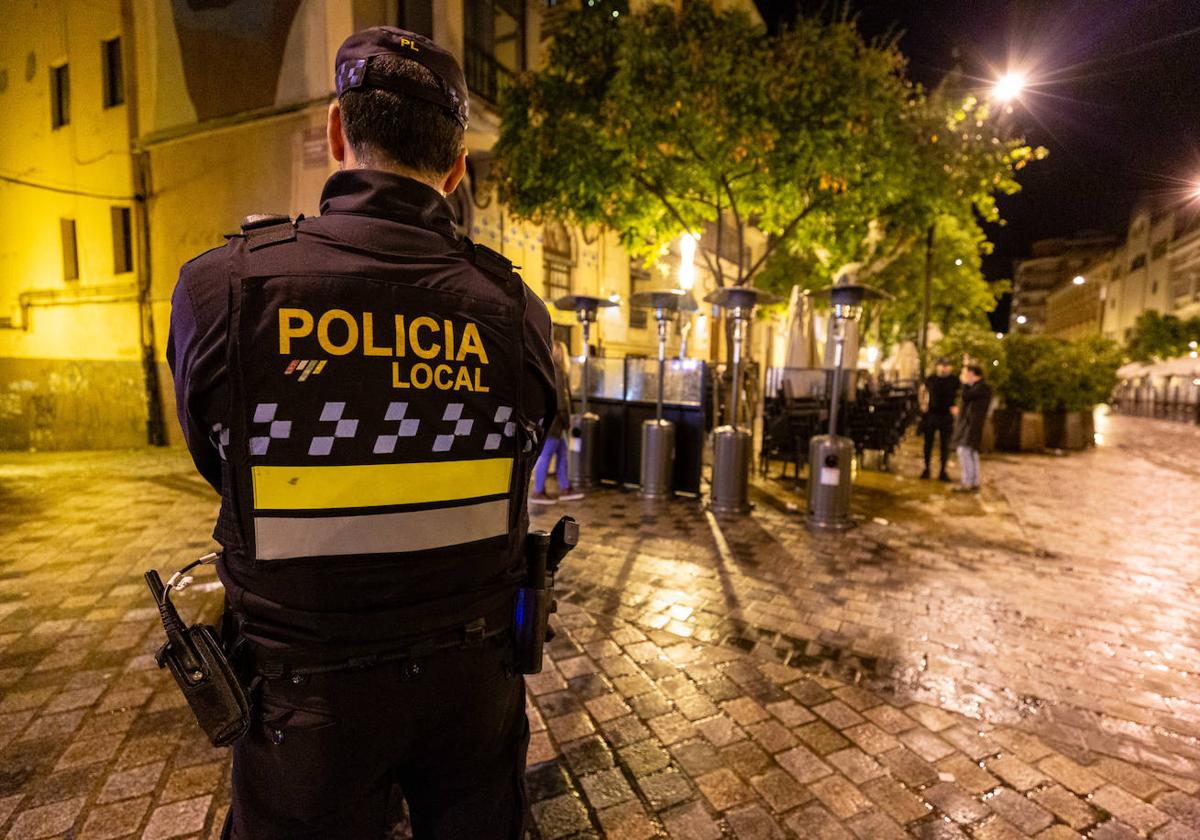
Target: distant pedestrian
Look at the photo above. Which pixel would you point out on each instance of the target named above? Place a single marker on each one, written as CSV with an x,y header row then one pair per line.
x,y
968,430
937,397
555,446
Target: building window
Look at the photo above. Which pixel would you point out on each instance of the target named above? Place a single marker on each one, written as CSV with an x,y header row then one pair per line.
x,y
417,16
60,96
1159,249
1138,262
494,45
114,73
639,281
70,250
557,250
122,232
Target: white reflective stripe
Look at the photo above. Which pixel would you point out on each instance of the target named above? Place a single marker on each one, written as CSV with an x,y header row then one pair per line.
x,y
287,537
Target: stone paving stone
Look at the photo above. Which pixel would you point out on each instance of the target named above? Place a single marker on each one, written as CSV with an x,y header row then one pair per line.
x,y
841,797
720,731
821,737
855,765
1176,831
46,820
973,743
190,782
177,819
753,823
691,822
587,755
662,790
954,803
1015,772
627,822
896,800
889,719
116,820
606,788
1024,814
1069,774
909,767
560,816
1137,782
1059,832
645,757
814,821
746,759
1182,807
790,713
1131,810
925,744
780,790
967,774
803,765
997,828
1112,830
1071,809
837,714
723,789
875,825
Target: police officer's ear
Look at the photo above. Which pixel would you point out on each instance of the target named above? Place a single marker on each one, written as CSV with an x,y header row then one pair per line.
x,y
456,173
336,134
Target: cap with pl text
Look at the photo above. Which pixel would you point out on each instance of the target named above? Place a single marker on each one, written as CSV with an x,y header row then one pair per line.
x,y
354,71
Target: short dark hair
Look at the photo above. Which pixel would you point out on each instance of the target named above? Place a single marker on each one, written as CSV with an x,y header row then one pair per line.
x,y
386,127
976,369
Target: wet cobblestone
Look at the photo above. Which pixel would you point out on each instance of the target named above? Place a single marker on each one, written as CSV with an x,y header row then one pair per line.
x,y
1017,665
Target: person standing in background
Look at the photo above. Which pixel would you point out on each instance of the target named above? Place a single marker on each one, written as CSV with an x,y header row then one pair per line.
x,y
968,431
555,445
938,397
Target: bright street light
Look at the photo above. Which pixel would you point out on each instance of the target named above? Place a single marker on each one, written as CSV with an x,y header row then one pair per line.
x,y
1009,86
1078,280
1021,319
958,261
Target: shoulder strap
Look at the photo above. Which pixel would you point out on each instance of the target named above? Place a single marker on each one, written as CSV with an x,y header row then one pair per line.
x,y
262,229
492,262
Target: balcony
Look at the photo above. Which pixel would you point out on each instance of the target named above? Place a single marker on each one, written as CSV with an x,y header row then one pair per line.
x,y
487,78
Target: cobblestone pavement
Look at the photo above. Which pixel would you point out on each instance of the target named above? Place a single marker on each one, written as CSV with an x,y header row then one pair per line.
x,y
1012,665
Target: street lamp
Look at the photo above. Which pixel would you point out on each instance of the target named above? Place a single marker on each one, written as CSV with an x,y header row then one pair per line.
x,y
830,456
658,435
1078,280
583,448
1009,86
1021,319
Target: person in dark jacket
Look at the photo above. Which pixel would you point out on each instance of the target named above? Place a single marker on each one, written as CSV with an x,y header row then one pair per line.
x,y
968,430
555,446
938,397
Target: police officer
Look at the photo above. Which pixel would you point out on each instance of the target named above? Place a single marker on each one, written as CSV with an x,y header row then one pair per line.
x,y
367,392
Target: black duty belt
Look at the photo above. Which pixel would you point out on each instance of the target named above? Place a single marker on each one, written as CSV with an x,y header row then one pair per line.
x,y
276,665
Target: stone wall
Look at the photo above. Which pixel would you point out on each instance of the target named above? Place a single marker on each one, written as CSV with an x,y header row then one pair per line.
x,y
55,404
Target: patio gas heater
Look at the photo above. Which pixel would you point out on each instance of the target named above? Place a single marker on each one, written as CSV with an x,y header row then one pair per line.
x,y
582,444
830,456
658,435
731,443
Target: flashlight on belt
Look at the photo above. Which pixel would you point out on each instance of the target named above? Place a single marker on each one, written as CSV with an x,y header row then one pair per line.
x,y
535,601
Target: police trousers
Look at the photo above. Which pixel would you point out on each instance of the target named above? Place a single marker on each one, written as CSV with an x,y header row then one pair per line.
x,y
324,749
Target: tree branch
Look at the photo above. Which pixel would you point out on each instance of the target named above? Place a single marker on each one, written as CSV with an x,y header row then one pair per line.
x,y
661,196
741,228
772,245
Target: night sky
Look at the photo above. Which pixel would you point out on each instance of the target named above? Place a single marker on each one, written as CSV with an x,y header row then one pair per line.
x,y
1115,97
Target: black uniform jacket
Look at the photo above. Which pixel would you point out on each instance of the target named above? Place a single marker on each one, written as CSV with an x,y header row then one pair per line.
x,y
368,218
976,401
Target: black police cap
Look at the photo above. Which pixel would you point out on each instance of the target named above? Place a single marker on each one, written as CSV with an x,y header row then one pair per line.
x,y
353,66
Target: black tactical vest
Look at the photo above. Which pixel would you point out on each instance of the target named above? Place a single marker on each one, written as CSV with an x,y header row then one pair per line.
x,y
376,460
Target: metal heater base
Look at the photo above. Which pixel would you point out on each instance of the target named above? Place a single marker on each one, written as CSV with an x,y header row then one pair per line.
x,y
829,480
658,459
583,451
730,471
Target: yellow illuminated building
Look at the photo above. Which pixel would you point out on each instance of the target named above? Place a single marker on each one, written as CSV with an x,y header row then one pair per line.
x,y
180,119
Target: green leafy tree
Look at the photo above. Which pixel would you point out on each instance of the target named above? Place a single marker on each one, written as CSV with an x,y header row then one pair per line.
x,y
1156,337
971,343
655,123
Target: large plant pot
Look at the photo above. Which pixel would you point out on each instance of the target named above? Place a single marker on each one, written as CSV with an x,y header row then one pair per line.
x,y
1087,421
988,444
1065,430
1006,430
1033,431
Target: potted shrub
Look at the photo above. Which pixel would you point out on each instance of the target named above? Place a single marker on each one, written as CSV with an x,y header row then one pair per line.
x,y
1025,389
1086,373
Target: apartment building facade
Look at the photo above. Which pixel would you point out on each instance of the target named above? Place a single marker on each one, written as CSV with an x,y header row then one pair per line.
x,y
142,131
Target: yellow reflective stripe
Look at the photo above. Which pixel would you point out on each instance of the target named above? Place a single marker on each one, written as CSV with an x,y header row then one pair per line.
x,y
377,485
